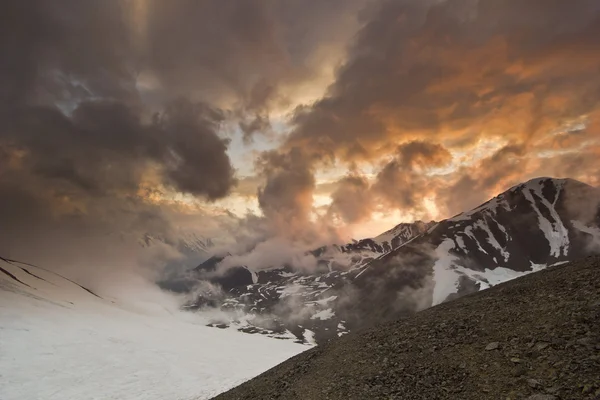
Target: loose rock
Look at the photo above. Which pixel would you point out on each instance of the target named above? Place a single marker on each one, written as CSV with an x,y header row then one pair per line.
x,y
492,346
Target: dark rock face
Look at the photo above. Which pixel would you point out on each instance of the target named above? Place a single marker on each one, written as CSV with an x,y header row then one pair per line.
x,y
414,266
535,337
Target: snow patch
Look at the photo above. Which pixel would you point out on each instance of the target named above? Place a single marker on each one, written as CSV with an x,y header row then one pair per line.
x,y
469,233
447,273
556,233
492,239
445,278
309,337
324,314
290,290
254,276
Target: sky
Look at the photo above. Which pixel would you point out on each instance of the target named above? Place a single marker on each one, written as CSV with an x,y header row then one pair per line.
x,y
294,121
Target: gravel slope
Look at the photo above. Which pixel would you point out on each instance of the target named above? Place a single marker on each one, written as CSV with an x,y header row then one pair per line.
x,y
536,337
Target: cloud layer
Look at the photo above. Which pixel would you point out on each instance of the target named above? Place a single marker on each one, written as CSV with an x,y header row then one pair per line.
x,y
121,116
476,95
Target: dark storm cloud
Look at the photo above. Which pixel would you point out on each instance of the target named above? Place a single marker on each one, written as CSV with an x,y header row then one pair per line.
x,y
105,147
225,45
454,68
352,200
59,50
286,198
71,70
71,186
112,105
458,73
111,109
201,165
401,183
248,52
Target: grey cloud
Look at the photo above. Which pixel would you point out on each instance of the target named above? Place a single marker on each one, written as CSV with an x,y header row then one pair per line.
x,y
411,72
250,51
352,199
107,145
455,72
401,182
109,108
286,198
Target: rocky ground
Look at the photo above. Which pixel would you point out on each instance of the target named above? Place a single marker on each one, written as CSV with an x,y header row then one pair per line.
x,y
536,338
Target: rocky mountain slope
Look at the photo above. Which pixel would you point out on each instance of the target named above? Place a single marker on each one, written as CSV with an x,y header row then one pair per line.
x,y
534,338
536,224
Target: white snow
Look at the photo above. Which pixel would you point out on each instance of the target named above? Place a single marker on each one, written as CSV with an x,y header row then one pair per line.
x,y
556,234
324,314
254,275
502,228
58,342
492,239
387,236
469,233
341,329
492,277
290,290
309,336
460,242
447,273
445,278
501,274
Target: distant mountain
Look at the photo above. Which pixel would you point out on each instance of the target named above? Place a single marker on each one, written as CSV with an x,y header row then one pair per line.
x,y
256,298
192,247
533,338
533,225
188,243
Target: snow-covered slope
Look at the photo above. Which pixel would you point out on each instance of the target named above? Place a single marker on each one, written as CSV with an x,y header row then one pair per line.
x,y
58,340
533,225
401,234
539,223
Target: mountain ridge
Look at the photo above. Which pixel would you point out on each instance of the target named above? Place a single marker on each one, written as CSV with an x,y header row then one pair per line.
x,y
532,225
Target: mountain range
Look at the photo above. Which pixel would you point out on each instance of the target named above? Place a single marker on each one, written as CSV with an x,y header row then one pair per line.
x,y
414,266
